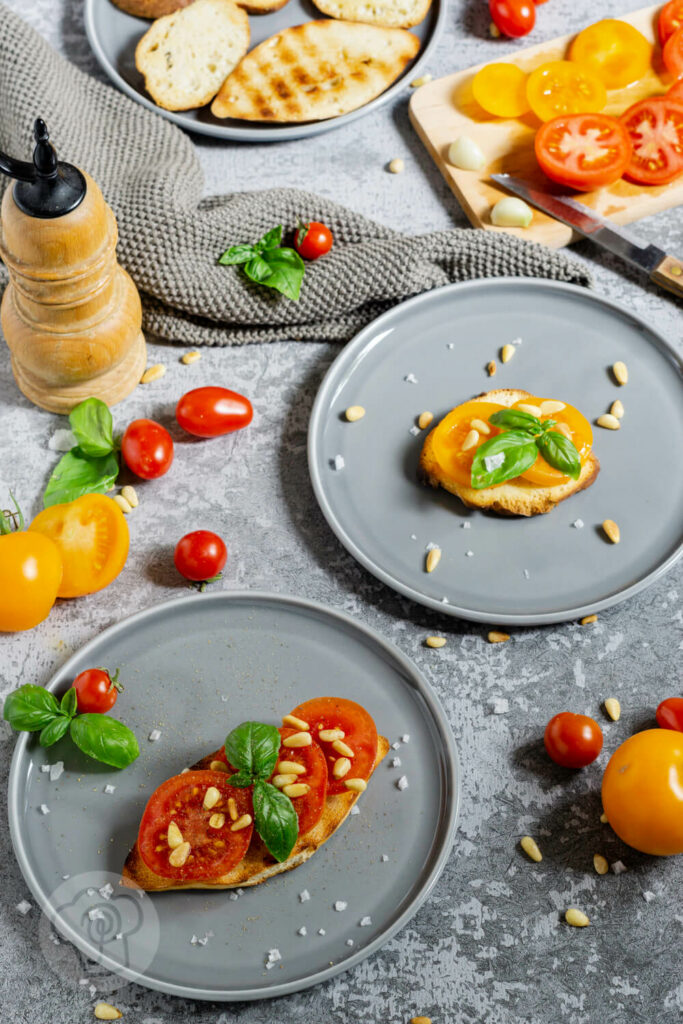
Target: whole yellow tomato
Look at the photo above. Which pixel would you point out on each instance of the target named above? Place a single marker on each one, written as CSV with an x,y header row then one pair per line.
x,y
30,575
642,792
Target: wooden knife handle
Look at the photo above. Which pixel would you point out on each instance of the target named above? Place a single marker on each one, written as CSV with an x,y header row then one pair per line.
x,y
669,274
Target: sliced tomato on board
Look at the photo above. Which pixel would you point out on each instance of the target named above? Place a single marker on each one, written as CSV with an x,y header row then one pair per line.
x,y
655,128
613,50
670,19
359,735
672,54
583,151
214,849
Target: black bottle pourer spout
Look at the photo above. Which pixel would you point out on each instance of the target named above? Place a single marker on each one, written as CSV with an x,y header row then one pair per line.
x,y
46,187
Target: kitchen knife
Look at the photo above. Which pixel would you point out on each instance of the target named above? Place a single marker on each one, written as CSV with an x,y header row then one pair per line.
x,y
664,270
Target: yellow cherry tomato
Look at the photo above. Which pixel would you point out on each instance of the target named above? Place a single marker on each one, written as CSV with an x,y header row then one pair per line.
x,y
501,90
562,87
642,792
573,424
30,574
614,51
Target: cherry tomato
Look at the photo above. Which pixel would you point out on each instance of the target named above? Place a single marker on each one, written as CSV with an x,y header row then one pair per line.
x,y
561,87
212,411
669,714
97,690
359,734
672,54
583,151
30,575
572,740
200,555
92,536
147,449
655,127
501,90
513,17
614,51
313,240
642,794
670,19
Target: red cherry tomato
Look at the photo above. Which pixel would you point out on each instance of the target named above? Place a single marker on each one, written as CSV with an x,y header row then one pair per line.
x,y
313,240
147,449
572,740
670,19
200,555
212,411
672,54
655,127
669,714
513,17
96,690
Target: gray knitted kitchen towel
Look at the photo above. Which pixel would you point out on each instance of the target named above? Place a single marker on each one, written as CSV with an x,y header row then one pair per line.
x,y
170,237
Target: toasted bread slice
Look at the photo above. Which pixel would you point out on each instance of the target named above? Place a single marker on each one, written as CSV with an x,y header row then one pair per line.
x,y
261,6
314,71
517,497
258,865
185,56
387,13
151,8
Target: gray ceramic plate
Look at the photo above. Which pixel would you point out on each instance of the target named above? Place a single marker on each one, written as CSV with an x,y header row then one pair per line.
x,y
193,669
521,571
114,35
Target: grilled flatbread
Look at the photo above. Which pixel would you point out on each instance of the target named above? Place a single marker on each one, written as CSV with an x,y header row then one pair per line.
x,y
387,13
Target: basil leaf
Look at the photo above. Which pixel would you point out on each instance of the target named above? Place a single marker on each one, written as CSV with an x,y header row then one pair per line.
x,y
276,820
105,739
76,474
93,426
560,453
237,254
515,419
53,731
519,452
287,271
240,780
271,239
253,749
69,703
258,270
30,708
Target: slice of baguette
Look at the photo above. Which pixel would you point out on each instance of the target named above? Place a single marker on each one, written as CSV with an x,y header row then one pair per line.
x,y
151,8
185,56
261,6
387,13
517,497
258,865
314,71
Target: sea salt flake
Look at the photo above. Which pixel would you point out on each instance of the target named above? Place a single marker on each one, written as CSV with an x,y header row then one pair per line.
x,y
321,931
494,461
154,735
444,600
109,789
233,896
405,738
44,809
340,905
648,896
302,930
338,462
45,768
384,858
527,574
203,942
500,706
450,345
56,770
432,546
240,892
96,914
349,942
396,762
402,783
618,867
410,378
65,877
194,940
413,536
469,554
63,440
365,922
466,526
414,430
396,745
273,956
24,907
304,895
578,524
107,891
355,809
516,341
119,936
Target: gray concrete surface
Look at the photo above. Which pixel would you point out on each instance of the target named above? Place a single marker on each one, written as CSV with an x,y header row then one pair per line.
x,y
489,946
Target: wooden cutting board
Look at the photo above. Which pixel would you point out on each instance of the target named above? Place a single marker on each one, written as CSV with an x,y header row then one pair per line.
x,y
444,109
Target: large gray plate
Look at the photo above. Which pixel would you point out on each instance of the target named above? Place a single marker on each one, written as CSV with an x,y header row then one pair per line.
x,y
445,338
194,668
114,35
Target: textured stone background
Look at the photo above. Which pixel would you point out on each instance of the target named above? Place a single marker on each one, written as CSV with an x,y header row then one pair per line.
x,y
489,946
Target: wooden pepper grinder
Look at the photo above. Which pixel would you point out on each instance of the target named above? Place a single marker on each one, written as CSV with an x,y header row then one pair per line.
x,y
71,315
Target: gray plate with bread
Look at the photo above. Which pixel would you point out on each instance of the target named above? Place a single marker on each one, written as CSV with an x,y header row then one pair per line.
x,y
262,70
552,562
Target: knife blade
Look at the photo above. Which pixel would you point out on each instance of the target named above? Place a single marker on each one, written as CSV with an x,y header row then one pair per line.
x,y
663,269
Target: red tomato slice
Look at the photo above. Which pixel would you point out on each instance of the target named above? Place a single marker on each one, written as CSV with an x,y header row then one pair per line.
x,y
676,90
670,19
213,851
309,808
672,54
583,151
360,735
655,127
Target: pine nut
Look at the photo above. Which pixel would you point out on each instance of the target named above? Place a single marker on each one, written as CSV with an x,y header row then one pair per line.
x,y
330,735
420,1020
612,530
123,504
243,822
479,425
533,410
153,373
105,1011
177,857
218,766
531,849
299,739
435,641
174,836
131,495
491,368
608,421
576,918
191,357
613,708
433,559
604,819
354,412
217,821
424,419
620,371
296,789
232,808
290,768
342,748
588,619
617,409
506,353
551,406
600,864
284,780
563,428
396,165
494,31
356,785
422,80
296,723
341,767
495,637
211,798
470,440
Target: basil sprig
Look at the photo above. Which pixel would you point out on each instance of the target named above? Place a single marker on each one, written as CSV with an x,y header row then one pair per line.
x,y
34,709
270,263
515,450
92,465
252,748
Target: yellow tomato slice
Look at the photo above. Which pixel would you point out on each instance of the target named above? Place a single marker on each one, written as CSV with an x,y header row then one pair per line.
x,y
577,428
452,431
501,90
562,87
614,51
